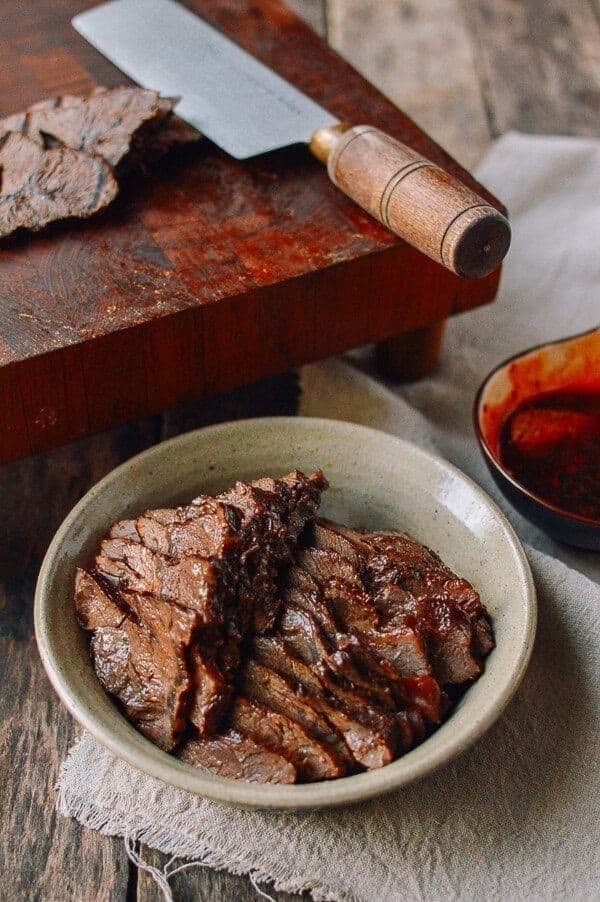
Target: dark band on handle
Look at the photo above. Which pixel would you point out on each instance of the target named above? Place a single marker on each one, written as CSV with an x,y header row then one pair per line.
x,y
414,198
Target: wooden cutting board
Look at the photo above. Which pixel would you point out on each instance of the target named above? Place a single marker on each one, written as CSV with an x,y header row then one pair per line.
x,y
207,272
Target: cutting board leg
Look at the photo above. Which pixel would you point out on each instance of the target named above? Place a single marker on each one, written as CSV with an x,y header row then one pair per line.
x,y
411,355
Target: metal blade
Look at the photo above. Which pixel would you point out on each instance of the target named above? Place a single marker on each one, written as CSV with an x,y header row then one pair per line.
x,y
228,95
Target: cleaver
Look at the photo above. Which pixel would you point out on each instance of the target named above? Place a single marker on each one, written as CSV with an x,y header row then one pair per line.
x,y
247,109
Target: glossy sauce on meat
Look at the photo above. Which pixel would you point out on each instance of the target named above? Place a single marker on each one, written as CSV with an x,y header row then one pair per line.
x,y
250,638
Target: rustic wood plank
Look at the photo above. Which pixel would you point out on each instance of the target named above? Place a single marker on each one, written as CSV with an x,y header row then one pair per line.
x,y
51,859
44,856
275,396
200,884
539,64
313,13
233,268
421,56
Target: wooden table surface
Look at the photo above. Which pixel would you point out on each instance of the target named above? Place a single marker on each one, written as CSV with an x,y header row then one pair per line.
x,y
466,70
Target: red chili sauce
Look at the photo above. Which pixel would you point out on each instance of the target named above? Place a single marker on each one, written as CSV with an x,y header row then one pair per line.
x,y
551,445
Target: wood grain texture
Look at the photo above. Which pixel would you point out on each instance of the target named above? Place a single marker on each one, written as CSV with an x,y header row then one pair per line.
x,y
36,494
48,857
420,54
43,856
239,270
538,64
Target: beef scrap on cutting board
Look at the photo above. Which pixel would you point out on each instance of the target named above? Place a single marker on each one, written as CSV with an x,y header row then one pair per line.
x,y
263,644
61,157
38,186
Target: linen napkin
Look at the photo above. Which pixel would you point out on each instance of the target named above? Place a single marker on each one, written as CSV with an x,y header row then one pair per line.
x,y
517,817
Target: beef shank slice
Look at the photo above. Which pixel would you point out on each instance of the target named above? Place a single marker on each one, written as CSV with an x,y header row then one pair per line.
x,y
211,561
233,755
57,158
102,124
38,186
210,690
191,582
411,586
369,733
312,759
139,649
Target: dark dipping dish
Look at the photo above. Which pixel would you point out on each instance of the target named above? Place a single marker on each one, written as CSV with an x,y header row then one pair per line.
x,y
551,444
537,419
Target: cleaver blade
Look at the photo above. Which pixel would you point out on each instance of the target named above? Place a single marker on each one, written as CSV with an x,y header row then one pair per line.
x,y
247,109
227,94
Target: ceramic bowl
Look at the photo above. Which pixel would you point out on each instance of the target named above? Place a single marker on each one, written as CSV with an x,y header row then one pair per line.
x,y
557,366
376,481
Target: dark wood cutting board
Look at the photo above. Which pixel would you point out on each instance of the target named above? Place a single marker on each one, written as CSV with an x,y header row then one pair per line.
x,y
206,273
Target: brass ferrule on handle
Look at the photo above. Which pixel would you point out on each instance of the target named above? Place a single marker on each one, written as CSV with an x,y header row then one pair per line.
x,y
414,198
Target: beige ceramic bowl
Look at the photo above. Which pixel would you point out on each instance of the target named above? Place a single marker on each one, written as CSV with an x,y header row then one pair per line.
x,y
376,481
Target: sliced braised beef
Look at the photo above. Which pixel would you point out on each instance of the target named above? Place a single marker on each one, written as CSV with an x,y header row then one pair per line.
x,y
271,652
192,582
312,759
207,530
397,645
392,657
314,639
139,647
210,690
208,527
39,185
329,536
275,511
203,558
102,124
275,692
424,573
273,514
370,733
238,757
445,609
275,652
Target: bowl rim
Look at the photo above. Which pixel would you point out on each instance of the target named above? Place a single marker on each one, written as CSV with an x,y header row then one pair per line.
x,y
322,794
484,445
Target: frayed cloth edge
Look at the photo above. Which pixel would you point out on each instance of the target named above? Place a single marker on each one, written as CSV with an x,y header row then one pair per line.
x,y
112,822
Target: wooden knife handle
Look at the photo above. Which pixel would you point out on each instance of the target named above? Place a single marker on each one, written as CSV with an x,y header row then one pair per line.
x,y
414,198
